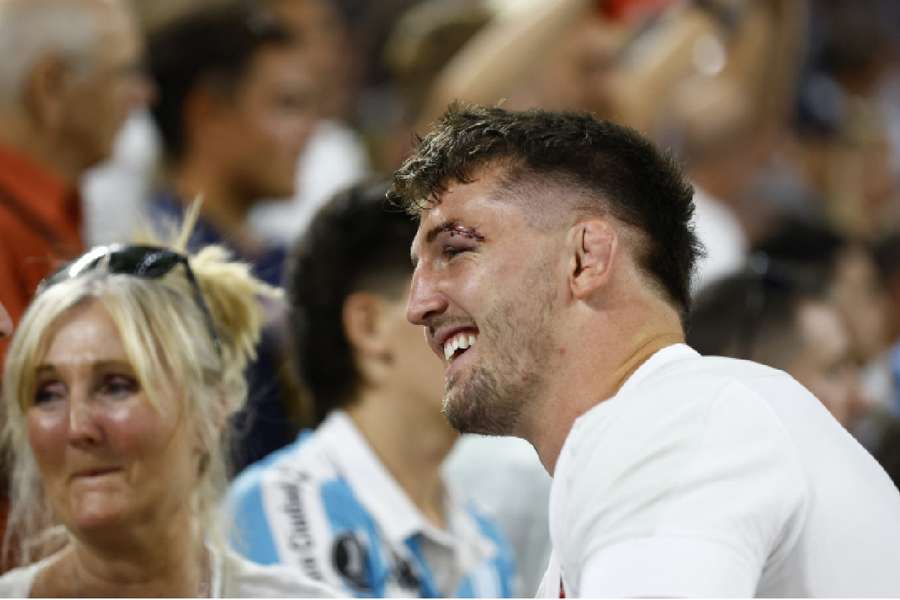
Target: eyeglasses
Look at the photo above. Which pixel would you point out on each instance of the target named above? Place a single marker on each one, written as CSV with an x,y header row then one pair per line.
x,y
147,262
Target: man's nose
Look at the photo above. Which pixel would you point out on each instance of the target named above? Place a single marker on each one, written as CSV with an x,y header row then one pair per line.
x,y
425,301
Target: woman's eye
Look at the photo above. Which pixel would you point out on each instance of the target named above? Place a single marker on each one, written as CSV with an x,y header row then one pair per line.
x,y
119,385
49,392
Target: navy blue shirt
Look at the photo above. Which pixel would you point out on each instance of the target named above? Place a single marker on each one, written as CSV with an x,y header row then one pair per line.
x,y
264,425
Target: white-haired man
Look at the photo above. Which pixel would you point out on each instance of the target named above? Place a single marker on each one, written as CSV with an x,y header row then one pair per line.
x,y
69,77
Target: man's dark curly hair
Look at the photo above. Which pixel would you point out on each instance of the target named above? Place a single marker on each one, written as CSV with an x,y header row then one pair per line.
x,y
619,171
205,46
356,242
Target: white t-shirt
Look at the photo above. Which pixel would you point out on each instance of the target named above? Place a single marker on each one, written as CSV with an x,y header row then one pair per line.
x,y
707,476
232,577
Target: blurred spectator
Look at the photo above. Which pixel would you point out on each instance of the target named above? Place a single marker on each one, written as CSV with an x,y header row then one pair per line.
x,y
6,325
115,192
842,148
422,41
334,156
847,270
513,48
234,109
887,259
69,79
713,82
781,318
360,503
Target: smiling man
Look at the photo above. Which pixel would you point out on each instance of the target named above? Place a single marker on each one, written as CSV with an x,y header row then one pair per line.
x,y
552,266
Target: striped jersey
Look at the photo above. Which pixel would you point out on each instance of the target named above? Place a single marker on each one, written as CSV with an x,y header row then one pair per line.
x,y
327,506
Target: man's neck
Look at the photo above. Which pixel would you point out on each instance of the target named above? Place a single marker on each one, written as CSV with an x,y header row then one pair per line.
x,y
411,447
35,146
223,205
593,377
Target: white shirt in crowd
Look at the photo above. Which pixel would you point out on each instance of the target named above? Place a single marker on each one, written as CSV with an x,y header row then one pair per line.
x,y
513,489
231,577
707,476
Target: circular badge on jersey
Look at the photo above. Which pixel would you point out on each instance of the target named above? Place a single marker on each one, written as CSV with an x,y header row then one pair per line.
x,y
349,556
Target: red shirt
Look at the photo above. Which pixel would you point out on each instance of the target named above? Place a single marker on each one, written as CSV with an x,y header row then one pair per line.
x,y
40,227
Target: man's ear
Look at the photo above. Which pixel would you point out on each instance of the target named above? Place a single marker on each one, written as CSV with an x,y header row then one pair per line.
x,y
44,90
593,245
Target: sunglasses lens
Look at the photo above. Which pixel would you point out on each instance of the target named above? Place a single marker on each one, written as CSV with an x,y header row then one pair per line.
x,y
143,261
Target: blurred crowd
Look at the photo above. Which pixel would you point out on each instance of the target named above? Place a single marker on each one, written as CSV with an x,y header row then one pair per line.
x,y
784,113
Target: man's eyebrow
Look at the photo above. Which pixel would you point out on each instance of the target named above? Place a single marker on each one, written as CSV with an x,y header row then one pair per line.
x,y
454,228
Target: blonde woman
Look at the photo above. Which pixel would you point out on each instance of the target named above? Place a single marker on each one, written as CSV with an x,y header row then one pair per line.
x,y
118,385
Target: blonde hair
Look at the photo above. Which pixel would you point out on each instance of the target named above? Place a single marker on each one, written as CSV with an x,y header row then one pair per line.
x,y
168,343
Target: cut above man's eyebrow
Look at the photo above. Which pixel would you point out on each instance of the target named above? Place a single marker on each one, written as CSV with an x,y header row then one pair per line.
x,y
453,227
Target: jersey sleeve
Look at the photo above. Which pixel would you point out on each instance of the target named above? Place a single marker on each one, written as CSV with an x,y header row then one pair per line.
x,y
277,517
685,501
251,533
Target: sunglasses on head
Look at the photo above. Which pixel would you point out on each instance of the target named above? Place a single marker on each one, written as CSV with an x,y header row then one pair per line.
x,y
147,262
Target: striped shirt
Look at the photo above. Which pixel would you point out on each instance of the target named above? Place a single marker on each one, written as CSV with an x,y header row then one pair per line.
x,y
327,506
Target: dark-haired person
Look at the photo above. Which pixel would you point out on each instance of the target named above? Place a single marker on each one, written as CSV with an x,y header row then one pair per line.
x,y
234,109
774,316
848,272
560,245
360,502
847,268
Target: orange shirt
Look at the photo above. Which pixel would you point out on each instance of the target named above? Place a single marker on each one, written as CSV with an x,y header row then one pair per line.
x,y
40,227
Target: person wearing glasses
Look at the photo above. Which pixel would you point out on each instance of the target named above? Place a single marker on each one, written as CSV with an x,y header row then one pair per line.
x,y
553,260
117,392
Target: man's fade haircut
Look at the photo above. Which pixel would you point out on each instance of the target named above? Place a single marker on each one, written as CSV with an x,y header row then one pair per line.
x,y
621,172
356,242
209,45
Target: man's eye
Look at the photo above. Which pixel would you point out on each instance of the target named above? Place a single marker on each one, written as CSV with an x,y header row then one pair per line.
x,y
451,251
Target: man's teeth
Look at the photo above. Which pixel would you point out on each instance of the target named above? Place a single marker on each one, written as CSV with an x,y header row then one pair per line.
x,y
460,341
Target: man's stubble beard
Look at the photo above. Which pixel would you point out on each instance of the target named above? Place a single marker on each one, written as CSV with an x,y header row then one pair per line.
x,y
508,383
